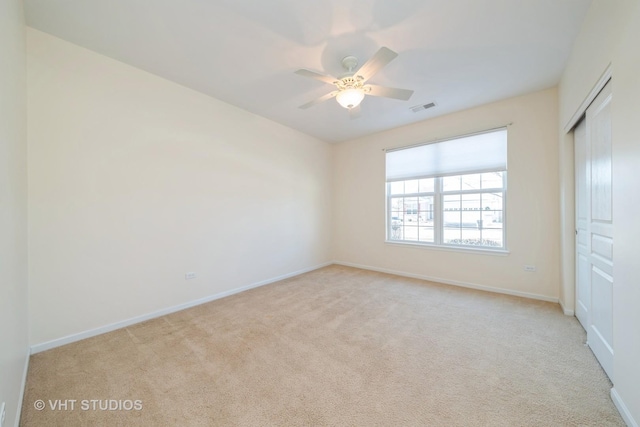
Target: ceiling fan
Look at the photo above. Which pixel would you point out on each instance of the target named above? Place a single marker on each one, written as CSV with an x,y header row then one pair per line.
x,y
351,87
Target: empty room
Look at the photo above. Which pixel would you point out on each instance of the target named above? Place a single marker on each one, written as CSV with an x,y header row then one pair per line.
x,y
324,213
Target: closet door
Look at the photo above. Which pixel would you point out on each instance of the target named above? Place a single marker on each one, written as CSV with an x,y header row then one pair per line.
x,y
594,227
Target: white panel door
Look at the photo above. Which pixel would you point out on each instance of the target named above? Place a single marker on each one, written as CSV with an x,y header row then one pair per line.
x,y
594,228
600,332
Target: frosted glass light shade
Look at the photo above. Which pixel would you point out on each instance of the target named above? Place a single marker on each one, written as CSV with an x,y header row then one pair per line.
x,y
350,98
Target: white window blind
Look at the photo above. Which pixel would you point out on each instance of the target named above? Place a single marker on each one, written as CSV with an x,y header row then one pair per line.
x,y
483,152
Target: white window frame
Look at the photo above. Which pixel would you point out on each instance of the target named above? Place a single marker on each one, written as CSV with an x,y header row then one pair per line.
x,y
438,205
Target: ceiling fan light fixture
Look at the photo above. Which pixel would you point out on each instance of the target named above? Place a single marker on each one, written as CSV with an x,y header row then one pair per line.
x,y
352,87
350,98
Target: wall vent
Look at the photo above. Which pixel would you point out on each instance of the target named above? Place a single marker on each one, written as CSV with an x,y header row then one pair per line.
x,y
421,107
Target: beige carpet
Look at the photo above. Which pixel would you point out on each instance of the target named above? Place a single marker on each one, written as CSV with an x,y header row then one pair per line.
x,y
335,347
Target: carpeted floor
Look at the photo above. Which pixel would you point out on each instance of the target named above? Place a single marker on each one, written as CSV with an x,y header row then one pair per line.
x,y
335,347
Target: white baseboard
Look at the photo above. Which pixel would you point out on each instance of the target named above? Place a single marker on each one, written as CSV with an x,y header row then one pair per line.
x,y
622,408
566,311
23,387
451,282
37,348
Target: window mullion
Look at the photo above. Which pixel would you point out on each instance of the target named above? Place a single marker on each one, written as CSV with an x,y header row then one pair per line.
x,y
438,212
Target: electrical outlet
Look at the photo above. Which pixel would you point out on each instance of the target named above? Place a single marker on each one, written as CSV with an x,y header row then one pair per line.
x,y
190,275
530,268
2,414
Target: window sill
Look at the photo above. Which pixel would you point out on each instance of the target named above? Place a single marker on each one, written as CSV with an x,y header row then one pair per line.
x,y
463,249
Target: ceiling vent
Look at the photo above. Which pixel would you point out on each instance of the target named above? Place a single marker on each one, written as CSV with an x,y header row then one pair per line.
x,y
421,107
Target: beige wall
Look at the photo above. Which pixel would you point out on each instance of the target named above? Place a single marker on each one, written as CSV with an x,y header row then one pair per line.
x,y
610,35
13,207
135,181
532,200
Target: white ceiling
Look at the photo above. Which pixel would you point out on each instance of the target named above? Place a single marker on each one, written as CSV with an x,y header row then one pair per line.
x,y
458,53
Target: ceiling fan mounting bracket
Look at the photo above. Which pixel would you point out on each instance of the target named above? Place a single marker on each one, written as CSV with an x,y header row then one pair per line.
x,y
349,63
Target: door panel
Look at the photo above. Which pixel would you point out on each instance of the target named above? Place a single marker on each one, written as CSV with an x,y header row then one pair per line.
x,y
601,313
602,246
599,119
583,290
594,228
600,333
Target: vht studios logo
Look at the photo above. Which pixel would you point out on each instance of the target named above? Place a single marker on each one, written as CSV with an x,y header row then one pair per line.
x,y
88,405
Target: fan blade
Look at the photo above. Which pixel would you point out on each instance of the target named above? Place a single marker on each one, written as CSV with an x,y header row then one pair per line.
x,y
322,77
354,112
319,100
388,92
381,58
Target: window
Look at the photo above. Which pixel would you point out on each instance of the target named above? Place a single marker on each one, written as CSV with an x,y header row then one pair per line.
x,y
449,193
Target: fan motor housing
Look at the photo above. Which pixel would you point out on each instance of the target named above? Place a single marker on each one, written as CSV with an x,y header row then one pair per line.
x,y
350,82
